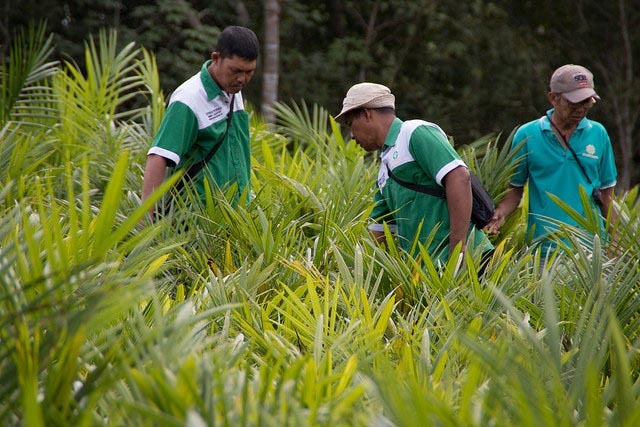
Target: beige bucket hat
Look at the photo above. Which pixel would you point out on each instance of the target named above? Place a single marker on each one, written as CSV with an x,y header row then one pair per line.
x,y
366,95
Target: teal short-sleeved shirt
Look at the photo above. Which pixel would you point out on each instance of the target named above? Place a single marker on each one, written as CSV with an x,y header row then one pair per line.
x,y
549,168
419,152
195,120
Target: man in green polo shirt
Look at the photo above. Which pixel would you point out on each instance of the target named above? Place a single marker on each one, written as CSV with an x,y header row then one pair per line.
x,y
418,152
562,151
205,111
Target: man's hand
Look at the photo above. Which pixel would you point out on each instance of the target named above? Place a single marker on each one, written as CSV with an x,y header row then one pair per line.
x,y
497,220
503,210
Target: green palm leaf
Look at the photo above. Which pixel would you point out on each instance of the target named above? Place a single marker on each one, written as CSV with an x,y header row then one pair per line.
x,y
24,95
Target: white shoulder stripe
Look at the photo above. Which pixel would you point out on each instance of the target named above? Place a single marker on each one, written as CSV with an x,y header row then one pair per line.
x,y
207,112
399,154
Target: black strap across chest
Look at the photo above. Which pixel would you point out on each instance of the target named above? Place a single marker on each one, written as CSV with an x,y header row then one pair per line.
x,y
575,156
437,192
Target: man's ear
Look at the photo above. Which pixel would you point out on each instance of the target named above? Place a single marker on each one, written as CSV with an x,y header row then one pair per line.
x,y
215,57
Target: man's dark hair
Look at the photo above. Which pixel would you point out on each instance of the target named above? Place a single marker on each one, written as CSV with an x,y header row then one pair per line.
x,y
353,114
385,110
240,41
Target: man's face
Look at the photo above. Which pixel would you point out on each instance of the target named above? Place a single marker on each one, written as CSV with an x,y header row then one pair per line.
x,y
362,129
569,112
231,74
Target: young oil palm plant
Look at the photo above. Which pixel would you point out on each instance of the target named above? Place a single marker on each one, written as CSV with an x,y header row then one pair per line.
x,y
284,310
69,274
25,97
71,266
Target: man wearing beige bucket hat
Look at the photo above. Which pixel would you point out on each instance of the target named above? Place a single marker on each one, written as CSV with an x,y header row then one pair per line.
x,y
562,151
419,153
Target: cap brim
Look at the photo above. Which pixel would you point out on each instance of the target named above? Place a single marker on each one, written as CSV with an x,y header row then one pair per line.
x,y
580,95
341,116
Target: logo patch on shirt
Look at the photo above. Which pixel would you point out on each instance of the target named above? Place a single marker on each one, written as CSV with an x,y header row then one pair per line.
x,y
590,152
214,114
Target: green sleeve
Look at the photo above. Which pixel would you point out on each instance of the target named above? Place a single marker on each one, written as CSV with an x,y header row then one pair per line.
x,y
178,130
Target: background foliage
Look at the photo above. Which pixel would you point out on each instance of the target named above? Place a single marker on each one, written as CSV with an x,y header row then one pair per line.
x,y
283,311
477,67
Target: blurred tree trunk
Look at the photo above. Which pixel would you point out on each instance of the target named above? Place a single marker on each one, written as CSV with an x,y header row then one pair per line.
x,y
612,55
337,22
271,58
626,98
242,14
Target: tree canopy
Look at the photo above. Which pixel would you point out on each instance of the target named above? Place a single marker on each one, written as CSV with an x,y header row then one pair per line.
x,y
476,67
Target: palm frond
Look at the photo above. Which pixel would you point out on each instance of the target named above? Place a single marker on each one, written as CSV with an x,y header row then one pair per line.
x,y
24,95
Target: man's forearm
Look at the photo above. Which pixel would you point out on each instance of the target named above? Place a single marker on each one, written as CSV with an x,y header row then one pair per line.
x,y
378,236
459,201
510,201
153,176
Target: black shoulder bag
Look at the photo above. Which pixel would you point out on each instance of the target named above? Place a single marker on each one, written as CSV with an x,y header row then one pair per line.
x,y
597,197
483,205
197,167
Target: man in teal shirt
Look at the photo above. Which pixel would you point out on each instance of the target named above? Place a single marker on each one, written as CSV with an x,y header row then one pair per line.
x,y
197,119
418,152
555,147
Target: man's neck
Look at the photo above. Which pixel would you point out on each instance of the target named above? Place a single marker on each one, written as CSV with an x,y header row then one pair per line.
x,y
562,129
563,126
384,127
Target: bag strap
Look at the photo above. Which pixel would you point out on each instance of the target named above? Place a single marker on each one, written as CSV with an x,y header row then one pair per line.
x,y
596,192
197,167
575,156
436,192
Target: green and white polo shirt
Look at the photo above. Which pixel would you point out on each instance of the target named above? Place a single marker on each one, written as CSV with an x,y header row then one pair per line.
x,y
549,168
195,120
419,152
